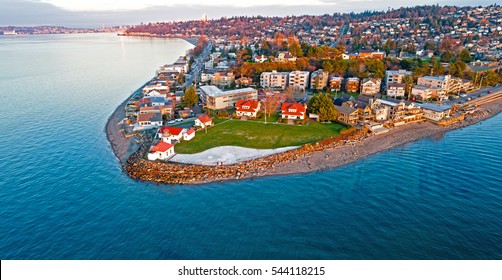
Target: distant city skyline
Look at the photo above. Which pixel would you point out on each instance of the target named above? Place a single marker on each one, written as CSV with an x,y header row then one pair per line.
x,y
96,13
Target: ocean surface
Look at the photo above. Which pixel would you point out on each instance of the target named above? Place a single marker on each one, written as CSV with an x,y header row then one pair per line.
x,y
63,195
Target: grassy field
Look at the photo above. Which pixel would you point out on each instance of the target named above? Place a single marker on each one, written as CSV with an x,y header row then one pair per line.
x,y
257,135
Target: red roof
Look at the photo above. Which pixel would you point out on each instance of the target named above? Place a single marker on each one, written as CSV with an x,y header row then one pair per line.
x,y
190,131
253,105
204,118
300,109
161,147
171,130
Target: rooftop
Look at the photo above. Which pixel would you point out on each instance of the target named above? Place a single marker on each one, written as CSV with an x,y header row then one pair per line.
x,y
435,107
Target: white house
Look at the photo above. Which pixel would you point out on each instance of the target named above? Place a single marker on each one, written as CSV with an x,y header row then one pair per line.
x,y
247,108
293,111
189,134
171,135
203,121
161,151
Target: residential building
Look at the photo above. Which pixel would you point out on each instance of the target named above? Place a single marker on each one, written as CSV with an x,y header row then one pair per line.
x,y
396,76
347,114
293,111
161,151
206,77
442,82
420,92
335,83
352,85
318,79
209,64
370,86
149,120
299,79
189,134
244,81
381,110
247,108
223,79
203,121
216,99
274,79
284,57
260,58
395,90
435,112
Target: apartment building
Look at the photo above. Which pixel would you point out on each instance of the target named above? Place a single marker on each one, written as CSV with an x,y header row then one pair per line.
x,y
223,79
352,85
299,79
396,76
216,99
370,86
318,79
274,79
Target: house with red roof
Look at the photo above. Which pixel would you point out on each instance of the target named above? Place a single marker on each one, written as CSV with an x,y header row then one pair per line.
x,y
171,135
248,108
161,151
293,111
203,121
189,134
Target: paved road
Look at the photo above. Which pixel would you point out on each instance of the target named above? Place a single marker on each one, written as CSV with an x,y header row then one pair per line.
x,y
340,36
197,66
474,95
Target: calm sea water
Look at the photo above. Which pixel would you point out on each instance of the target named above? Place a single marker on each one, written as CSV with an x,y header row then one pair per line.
x,y
63,195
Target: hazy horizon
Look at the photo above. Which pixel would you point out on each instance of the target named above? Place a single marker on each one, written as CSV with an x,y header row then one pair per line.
x,y
92,14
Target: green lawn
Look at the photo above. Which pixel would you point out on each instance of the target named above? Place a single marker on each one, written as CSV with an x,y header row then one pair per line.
x,y
257,135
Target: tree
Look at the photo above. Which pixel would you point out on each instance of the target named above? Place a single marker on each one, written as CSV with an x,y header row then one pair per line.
x,y
296,50
191,97
447,57
464,56
288,91
270,104
491,78
408,81
181,78
322,105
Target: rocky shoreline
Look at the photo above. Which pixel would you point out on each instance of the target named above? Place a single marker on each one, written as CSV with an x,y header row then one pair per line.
x,y
323,155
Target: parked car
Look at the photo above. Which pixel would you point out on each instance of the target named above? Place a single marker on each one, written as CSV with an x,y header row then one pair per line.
x,y
179,120
171,121
463,95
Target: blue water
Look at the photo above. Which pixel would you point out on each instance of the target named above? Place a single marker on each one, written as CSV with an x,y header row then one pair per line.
x,y
63,195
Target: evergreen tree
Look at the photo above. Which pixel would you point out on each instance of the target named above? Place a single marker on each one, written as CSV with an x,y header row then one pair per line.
x,y
191,97
322,105
464,56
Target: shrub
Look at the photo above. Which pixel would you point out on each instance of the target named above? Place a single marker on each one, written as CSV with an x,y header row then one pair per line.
x,y
347,130
223,114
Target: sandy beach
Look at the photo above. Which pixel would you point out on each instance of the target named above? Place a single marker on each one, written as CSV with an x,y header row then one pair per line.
x,y
308,158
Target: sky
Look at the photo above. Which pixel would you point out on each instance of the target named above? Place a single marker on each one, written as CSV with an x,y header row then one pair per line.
x,y
97,13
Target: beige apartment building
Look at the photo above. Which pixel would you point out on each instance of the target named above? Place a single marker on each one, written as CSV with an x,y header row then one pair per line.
x,y
216,99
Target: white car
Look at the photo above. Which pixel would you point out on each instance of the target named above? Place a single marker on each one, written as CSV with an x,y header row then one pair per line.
x,y
171,121
463,95
179,120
